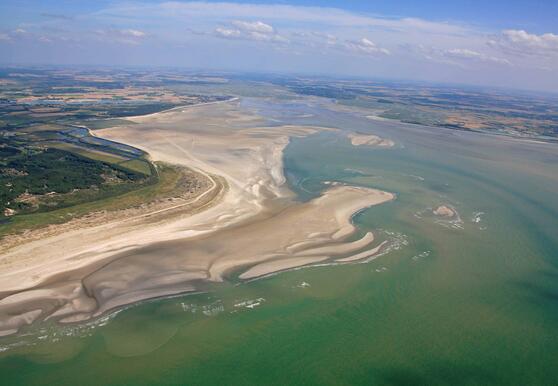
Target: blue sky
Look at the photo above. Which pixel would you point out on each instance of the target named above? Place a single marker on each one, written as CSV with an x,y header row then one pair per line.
x,y
500,43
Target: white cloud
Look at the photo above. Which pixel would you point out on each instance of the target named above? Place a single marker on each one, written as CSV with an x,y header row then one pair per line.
x,y
133,32
299,25
244,30
228,33
365,46
302,37
463,53
467,54
124,36
521,42
256,26
200,10
460,57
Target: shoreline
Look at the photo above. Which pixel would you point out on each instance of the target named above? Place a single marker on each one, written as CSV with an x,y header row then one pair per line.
x,y
112,265
232,99
161,203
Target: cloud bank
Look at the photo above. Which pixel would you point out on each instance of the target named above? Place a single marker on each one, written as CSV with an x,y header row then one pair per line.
x,y
292,38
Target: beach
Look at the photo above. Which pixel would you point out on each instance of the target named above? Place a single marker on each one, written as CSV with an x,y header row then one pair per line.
x,y
245,223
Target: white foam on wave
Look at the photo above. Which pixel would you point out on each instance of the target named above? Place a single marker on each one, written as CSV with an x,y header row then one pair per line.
x,y
53,333
415,177
211,309
478,218
250,303
421,255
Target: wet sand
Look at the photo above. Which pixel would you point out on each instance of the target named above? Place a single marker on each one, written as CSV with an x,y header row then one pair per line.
x,y
444,211
252,227
370,140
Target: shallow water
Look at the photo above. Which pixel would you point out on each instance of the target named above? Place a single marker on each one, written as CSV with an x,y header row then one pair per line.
x,y
470,301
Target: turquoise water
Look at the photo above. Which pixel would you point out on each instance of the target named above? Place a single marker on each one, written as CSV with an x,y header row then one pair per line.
x,y
470,302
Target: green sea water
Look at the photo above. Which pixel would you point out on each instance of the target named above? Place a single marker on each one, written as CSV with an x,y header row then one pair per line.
x,y
472,301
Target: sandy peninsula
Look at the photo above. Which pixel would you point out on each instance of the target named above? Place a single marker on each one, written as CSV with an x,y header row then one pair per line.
x,y
245,224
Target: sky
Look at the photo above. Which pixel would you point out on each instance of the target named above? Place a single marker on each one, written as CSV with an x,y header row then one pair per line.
x,y
510,43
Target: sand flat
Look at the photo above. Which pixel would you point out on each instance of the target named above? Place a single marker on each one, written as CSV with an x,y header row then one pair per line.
x,y
253,222
358,139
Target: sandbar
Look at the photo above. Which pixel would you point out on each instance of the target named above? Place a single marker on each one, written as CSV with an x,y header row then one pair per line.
x,y
358,139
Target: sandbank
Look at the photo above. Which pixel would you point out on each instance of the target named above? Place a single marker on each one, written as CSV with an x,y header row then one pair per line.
x,y
369,140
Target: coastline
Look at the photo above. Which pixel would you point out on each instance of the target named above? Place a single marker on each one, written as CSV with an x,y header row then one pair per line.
x,y
110,265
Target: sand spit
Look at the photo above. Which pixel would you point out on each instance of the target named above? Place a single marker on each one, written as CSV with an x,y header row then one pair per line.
x,y
247,224
369,140
363,255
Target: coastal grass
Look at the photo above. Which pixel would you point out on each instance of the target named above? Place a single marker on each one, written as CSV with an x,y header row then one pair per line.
x,y
137,165
89,153
105,123
165,179
43,127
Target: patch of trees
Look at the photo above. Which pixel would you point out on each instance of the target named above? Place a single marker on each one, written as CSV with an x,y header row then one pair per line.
x,y
54,170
